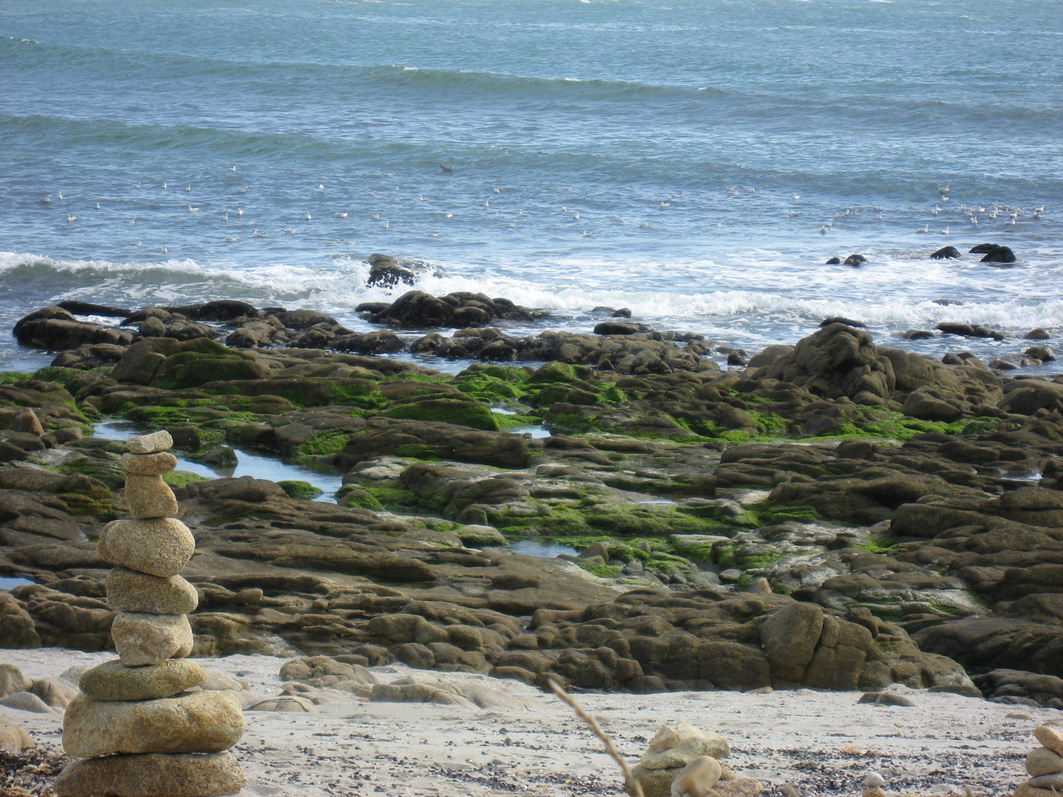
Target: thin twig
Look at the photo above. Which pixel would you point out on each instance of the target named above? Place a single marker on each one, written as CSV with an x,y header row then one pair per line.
x,y
633,786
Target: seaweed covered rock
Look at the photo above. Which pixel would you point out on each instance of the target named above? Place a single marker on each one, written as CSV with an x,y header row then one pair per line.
x,y
839,361
166,362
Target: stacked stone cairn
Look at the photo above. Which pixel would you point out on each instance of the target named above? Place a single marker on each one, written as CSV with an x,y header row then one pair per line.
x,y
683,761
139,726
1045,765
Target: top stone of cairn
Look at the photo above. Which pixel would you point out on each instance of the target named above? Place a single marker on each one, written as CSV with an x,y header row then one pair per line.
x,y
150,443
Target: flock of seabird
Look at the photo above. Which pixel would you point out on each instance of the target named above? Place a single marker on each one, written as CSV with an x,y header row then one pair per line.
x,y
973,214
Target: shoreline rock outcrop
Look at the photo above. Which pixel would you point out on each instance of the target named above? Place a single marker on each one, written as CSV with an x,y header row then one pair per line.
x,y
903,514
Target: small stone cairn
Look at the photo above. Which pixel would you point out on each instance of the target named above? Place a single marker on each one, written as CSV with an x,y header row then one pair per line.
x,y
139,727
683,761
1045,765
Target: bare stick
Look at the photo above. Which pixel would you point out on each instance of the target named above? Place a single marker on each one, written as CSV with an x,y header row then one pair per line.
x,y
633,786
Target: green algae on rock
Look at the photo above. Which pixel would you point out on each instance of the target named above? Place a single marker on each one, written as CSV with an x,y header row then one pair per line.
x,y
876,490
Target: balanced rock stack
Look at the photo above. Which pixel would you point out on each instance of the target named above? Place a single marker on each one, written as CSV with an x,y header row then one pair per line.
x,y
140,726
1045,765
683,761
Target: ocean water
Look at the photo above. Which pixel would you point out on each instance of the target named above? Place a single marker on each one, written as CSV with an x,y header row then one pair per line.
x,y
696,161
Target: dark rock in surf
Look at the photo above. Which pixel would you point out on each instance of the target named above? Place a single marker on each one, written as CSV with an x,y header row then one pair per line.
x,y
946,253
219,310
56,329
88,308
826,322
617,328
834,261
737,357
380,342
855,260
386,271
982,249
1001,254
371,308
969,331
622,312
1040,353
419,310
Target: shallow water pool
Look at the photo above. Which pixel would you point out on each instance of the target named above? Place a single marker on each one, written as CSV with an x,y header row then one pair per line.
x,y
247,464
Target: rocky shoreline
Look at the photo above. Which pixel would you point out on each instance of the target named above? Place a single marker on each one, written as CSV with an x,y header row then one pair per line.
x,y
835,514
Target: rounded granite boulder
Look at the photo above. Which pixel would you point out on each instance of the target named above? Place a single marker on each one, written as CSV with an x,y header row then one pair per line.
x,y
131,591
211,775
141,638
149,497
149,464
157,546
113,680
198,722
150,443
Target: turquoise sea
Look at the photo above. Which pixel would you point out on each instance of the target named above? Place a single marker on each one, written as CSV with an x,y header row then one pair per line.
x,y
696,161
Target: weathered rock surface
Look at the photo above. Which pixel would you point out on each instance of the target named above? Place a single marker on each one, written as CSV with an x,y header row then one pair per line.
x,y
149,446
149,497
189,775
116,681
13,738
677,745
12,680
141,638
158,546
207,722
682,758
154,464
1043,761
130,591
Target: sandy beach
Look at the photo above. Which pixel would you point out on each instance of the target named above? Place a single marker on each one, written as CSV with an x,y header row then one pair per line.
x,y
819,742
